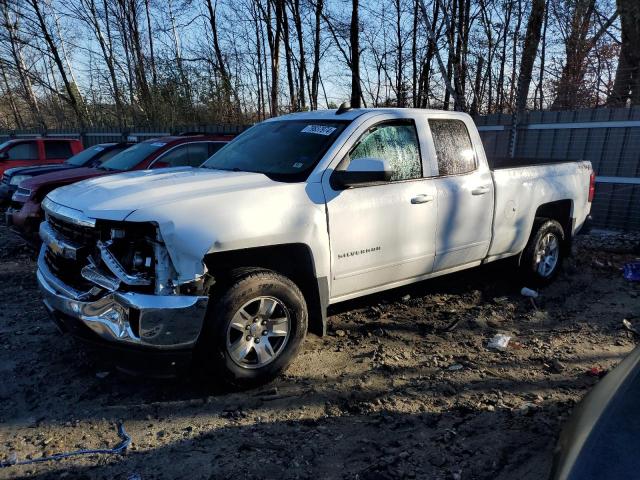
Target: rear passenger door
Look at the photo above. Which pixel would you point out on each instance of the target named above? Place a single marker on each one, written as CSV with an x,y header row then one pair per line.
x,y
185,155
57,151
385,232
465,195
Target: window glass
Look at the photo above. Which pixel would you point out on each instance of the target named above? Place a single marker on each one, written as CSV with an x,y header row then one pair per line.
x,y
24,151
198,153
189,155
57,149
454,150
100,159
133,156
286,150
95,155
396,143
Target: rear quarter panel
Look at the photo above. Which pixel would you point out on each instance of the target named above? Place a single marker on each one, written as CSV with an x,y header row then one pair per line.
x,y
520,191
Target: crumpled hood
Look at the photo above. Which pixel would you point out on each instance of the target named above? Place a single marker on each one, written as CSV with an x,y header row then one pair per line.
x,y
114,197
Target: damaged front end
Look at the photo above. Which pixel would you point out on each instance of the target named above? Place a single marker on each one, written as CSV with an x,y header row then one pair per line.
x,y
117,278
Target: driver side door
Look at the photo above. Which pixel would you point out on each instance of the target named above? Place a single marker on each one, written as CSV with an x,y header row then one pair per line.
x,y
382,233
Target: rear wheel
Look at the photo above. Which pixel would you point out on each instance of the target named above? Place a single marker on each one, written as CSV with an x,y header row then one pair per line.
x,y
542,257
254,329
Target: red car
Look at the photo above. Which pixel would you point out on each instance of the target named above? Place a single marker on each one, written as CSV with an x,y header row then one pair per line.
x,y
25,215
37,151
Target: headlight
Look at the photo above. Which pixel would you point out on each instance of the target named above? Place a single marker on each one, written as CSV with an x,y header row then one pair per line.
x,y
20,195
17,179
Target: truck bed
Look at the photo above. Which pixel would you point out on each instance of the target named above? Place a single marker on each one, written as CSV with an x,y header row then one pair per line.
x,y
519,189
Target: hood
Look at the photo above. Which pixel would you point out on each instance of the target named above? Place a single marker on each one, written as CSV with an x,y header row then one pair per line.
x,y
62,177
114,197
37,170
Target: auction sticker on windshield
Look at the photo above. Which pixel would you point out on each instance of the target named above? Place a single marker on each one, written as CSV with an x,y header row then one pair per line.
x,y
319,129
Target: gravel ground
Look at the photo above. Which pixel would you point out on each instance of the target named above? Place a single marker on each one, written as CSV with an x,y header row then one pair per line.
x,y
404,386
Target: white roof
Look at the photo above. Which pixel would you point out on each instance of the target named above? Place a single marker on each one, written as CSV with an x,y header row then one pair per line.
x,y
353,113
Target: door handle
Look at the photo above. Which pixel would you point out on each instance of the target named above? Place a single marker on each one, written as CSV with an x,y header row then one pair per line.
x,y
422,199
480,190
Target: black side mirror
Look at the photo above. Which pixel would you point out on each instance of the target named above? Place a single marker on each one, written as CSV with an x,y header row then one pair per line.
x,y
362,171
4,156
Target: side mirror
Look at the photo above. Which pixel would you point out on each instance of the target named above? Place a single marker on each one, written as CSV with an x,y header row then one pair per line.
x,y
4,156
362,171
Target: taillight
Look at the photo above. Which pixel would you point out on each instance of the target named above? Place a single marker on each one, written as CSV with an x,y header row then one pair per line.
x,y
592,186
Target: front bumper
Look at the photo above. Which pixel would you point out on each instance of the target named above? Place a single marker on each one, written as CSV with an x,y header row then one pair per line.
x,y
130,319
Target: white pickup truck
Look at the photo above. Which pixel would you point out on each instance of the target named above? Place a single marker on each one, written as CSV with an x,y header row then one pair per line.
x,y
230,263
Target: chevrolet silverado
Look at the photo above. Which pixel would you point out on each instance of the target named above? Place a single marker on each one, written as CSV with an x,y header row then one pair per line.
x,y
229,264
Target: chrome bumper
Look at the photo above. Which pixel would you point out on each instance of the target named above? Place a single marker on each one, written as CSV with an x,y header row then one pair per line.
x,y
163,322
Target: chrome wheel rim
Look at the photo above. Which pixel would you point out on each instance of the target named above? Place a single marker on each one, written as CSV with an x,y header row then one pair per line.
x,y
258,332
547,255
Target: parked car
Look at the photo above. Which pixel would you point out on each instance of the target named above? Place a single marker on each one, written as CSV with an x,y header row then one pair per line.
x,y
229,264
25,214
37,151
91,157
600,440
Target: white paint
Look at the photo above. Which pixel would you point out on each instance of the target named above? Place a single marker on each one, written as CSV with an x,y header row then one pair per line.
x,y
363,239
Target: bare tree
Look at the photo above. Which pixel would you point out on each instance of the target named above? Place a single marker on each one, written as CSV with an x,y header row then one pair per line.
x,y
627,82
531,43
578,44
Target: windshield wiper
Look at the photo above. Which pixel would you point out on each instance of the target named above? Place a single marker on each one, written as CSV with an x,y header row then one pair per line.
x,y
234,169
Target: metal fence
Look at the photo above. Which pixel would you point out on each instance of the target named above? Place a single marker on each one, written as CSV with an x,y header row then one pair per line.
x,y
94,136
609,138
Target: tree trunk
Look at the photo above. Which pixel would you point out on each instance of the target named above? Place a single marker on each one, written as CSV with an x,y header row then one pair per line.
x,y
543,55
302,68
293,101
627,82
15,44
400,92
531,42
354,36
72,92
529,51
154,72
503,59
315,75
9,94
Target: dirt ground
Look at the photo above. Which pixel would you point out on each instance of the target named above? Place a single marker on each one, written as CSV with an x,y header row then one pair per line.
x,y
404,386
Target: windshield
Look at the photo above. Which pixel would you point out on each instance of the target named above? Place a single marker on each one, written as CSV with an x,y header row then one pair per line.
x,y
286,150
132,156
86,157
4,145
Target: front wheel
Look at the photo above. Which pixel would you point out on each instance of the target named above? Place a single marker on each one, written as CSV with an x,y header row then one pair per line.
x,y
254,329
542,257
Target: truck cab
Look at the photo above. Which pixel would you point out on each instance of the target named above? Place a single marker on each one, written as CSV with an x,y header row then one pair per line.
x,y
37,151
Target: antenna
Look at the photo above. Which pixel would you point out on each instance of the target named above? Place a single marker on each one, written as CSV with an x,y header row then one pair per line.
x,y
344,107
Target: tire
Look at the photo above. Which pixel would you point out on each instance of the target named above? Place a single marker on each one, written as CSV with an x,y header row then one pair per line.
x,y
541,268
253,329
